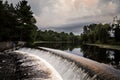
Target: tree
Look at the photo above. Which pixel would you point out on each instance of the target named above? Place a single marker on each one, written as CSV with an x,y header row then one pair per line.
x,y
102,33
117,33
26,21
1,19
96,32
17,23
116,28
7,21
72,37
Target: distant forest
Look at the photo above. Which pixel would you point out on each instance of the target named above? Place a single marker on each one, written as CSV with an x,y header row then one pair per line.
x,y
17,23
62,37
102,33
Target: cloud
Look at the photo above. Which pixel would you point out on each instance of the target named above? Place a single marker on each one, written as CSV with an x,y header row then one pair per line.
x,y
58,12
55,13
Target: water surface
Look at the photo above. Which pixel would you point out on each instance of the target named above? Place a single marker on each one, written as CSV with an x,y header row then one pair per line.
x,y
106,56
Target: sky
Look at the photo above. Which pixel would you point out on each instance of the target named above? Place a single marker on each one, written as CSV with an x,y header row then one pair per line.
x,y
72,15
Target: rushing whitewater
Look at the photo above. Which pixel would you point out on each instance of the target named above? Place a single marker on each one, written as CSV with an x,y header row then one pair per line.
x,y
41,65
67,69
72,67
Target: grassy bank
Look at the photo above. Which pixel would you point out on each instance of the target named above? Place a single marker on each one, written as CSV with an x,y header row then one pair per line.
x,y
107,46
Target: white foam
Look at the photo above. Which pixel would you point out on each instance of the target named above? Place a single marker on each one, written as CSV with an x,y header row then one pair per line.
x,y
45,65
67,70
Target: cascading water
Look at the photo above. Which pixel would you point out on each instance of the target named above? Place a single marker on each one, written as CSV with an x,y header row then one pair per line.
x,y
40,65
67,69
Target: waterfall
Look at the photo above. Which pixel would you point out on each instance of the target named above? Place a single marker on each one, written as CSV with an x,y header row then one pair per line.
x,y
41,64
68,69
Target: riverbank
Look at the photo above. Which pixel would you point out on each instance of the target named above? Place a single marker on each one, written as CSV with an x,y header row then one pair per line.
x,y
106,46
10,44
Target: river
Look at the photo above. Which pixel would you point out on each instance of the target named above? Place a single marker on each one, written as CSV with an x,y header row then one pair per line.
x,y
106,56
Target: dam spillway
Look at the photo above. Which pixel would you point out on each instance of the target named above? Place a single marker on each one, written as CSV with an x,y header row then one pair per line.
x,y
15,65
72,67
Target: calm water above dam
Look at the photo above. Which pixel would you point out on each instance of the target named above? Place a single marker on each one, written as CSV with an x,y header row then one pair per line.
x,y
107,56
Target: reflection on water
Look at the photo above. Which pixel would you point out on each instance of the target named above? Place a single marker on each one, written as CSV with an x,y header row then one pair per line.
x,y
61,46
70,48
110,57
107,56
76,51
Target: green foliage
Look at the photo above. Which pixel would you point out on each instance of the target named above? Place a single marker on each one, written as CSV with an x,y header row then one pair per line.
x,y
117,33
17,23
7,21
100,33
95,33
52,36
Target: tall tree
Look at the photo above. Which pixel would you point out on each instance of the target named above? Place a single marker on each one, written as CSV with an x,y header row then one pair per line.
x,y
117,33
1,19
7,21
26,21
116,28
